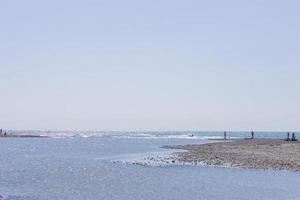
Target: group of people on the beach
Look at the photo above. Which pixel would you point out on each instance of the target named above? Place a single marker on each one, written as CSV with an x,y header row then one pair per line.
x,y
293,138
2,133
225,135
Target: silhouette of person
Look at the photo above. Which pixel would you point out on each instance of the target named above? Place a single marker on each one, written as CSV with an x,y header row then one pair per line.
x,y
293,137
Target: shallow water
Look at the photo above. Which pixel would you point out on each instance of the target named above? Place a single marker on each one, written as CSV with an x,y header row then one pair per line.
x,y
83,169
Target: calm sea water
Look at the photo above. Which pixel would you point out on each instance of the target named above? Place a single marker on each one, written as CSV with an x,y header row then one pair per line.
x,y
79,166
153,134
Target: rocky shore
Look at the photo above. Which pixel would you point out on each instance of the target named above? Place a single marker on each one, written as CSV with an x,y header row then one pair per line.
x,y
245,153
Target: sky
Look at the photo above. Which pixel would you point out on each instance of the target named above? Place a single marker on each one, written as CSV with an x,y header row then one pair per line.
x,y
150,65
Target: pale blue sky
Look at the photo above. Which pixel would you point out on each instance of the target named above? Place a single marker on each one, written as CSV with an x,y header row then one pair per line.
x,y
150,65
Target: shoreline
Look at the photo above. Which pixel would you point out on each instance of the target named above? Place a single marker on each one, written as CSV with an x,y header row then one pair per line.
x,y
22,136
276,154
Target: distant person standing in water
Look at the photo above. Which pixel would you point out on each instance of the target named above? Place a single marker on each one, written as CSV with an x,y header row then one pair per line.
x,y
252,135
225,135
1,131
288,136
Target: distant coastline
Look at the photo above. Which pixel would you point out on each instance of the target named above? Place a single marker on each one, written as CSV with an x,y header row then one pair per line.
x,y
22,136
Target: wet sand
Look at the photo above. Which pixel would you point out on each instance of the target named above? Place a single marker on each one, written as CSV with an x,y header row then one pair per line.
x,y
245,153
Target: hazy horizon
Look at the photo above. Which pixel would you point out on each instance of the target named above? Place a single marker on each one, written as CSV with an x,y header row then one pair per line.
x,y
159,65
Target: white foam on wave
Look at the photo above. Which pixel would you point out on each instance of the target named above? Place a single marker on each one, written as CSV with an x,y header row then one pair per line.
x,y
155,136
166,137
123,135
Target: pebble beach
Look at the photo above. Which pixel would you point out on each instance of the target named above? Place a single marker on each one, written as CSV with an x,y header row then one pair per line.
x,y
274,154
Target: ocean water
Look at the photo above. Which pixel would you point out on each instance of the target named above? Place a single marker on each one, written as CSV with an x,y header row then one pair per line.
x,y
154,134
80,166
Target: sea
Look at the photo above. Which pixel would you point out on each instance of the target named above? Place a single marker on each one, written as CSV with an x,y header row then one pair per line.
x,y
84,165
